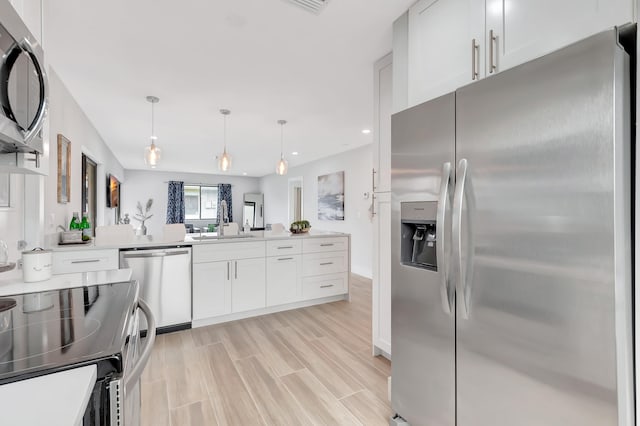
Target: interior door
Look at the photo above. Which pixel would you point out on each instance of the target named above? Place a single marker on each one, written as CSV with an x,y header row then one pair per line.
x,y
422,329
543,318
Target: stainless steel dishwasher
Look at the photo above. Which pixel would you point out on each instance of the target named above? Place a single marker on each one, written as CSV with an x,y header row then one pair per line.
x,y
164,276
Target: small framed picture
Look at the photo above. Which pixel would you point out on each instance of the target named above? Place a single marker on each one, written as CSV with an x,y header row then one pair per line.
x,y
64,170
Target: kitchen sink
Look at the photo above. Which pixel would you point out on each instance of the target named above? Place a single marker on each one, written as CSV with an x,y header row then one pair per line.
x,y
225,237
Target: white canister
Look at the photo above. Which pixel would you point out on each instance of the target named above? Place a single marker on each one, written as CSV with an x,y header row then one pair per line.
x,y
36,265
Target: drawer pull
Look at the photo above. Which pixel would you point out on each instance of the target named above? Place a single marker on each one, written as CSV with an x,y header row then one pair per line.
x,y
285,258
326,263
326,245
86,261
285,247
326,286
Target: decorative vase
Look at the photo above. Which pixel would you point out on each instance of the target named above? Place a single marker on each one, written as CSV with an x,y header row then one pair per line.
x,y
143,229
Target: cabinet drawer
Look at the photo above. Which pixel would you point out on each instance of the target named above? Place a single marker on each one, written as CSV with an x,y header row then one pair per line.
x,y
68,262
324,286
324,263
215,252
281,247
319,245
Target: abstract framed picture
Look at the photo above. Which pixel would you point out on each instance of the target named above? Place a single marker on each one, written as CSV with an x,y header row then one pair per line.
x,y
64,170
331,196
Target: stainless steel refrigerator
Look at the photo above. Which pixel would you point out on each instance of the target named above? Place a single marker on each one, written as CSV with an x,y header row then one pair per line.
x,y
511,247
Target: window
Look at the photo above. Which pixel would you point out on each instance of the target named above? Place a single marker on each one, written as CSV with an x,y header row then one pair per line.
x,y
200,202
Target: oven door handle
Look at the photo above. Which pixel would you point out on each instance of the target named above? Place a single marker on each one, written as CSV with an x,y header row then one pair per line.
x,y
133,376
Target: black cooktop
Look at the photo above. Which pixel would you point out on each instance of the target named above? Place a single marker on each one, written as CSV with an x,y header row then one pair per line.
x,y
51,331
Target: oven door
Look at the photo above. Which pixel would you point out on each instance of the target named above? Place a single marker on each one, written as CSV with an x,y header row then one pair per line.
x,y
125,392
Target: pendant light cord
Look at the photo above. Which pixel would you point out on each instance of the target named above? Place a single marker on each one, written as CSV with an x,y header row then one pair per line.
x,y
225,133
152,122
281,140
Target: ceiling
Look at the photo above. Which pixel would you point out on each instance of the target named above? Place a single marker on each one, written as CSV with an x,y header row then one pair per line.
x,y
264,60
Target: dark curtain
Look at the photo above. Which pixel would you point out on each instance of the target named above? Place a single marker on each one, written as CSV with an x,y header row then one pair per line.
x,y
175,202
224,193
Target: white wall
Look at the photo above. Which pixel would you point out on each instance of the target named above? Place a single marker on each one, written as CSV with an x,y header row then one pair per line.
x,y
142,185
67,118
357,165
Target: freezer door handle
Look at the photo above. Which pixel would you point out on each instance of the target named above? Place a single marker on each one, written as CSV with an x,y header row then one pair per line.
x,y
464,272
442,249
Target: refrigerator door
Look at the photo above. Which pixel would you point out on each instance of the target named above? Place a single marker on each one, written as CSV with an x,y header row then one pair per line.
x,y
423,320
544,272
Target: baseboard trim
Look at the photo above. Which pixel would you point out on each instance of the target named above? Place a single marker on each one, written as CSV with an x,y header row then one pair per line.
x,y
265,311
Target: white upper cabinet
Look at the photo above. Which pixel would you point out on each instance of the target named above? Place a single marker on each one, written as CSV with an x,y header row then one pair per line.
x,y
445,44
524,30
440,53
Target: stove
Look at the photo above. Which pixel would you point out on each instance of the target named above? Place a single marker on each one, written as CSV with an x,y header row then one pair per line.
x,y
51,331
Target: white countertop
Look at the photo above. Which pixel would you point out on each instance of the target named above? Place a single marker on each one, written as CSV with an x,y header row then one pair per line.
x,y
12,282
157,241
58,399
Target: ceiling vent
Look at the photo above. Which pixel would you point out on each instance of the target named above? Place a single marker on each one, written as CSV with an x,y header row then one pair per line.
x,y
314,6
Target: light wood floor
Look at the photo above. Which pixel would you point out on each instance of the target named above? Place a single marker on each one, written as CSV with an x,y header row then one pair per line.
x,y
309,366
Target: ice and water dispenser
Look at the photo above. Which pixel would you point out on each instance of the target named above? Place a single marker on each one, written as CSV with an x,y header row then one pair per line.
x,y
418,245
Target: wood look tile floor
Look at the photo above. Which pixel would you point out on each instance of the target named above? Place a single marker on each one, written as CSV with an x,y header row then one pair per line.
x,y
309,366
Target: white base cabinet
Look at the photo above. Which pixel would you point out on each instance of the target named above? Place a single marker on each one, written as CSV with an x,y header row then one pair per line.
x,y
242,279
211,289
248,285
284,279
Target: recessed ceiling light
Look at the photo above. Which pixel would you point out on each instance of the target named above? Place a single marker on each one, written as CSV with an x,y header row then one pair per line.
x,y
366,131
295,153
244,173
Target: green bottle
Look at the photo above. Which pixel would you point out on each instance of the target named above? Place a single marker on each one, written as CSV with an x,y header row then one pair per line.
x,y
85,226
75,223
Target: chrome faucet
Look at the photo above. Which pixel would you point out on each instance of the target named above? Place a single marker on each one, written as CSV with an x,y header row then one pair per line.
x,y
223,217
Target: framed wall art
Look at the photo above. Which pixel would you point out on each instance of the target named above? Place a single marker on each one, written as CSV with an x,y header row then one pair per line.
x,y
331,196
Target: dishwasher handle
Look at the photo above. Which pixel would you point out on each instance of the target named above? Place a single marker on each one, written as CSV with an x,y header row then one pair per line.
x,y
138,255
135,374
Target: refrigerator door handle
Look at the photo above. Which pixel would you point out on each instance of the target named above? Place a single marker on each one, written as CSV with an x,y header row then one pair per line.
x,y
464,274
442,254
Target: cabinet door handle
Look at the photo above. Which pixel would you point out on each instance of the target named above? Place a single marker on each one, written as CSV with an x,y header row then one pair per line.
x,y
286,258
285,247
326,286
475,59
373,205
228,271
492,41
326,263
86,261
326,245
236,263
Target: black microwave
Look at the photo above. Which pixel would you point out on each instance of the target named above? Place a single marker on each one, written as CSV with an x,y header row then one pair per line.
x,y
23,85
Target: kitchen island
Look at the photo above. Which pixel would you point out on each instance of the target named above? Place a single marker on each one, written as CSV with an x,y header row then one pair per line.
x,y
239,276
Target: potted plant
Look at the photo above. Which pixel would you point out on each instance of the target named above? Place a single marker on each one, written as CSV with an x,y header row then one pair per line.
x,y
300,227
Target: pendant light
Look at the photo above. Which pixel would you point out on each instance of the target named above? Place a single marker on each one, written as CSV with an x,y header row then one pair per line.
x,y
152,152
283,165
224,160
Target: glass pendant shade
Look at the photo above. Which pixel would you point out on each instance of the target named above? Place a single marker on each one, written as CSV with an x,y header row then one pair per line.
x,y
282,167
152,152
224,161
152,155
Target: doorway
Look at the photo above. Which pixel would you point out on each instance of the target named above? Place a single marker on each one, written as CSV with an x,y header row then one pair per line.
x,y
296,212
89,182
